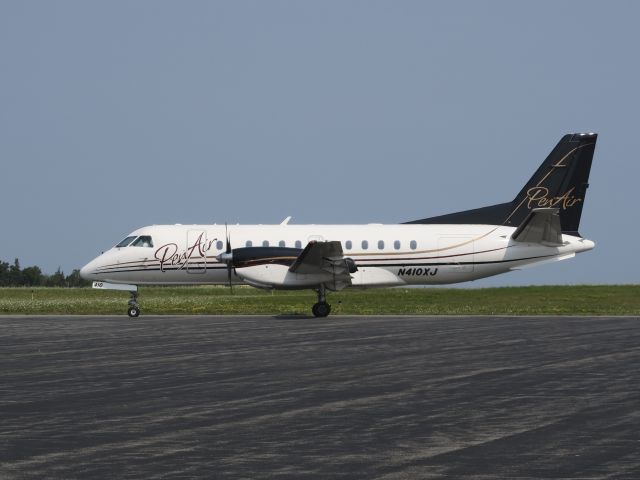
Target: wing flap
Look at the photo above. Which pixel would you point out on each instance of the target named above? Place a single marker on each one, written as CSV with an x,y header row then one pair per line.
x,y
320,258
315,257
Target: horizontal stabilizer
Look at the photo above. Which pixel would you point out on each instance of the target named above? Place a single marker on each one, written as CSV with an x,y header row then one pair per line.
x,y
542,225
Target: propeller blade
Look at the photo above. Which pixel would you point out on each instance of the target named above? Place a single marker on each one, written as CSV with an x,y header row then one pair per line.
x,y
229,260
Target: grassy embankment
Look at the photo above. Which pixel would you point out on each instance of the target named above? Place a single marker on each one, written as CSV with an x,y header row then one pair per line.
x,y
562,300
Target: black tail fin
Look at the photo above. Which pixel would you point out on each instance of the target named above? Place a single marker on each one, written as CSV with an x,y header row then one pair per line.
x,y
560,182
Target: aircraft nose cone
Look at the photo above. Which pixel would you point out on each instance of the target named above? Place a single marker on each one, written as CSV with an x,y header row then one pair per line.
x,y
87,271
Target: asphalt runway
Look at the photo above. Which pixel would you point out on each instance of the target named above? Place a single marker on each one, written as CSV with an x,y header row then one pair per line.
x,y
296,398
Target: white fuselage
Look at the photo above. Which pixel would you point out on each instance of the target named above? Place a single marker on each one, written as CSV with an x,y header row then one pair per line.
x,y
386,255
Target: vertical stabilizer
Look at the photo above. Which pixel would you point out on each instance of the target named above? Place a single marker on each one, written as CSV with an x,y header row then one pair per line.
x,y
560,182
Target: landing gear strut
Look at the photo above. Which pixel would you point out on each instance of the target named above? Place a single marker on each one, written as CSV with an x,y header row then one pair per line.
x,y
134,308
322,308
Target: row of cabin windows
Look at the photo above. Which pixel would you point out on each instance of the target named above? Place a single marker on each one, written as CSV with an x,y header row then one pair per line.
x,y
348,245
396,245
146,241
265,243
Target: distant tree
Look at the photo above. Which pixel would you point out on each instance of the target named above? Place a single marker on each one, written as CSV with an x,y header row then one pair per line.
x,y
57,279
15,274
4,274
75,280
32,276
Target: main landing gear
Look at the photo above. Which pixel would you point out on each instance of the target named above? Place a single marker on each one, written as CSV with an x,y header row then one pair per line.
x,y
322,308
134,308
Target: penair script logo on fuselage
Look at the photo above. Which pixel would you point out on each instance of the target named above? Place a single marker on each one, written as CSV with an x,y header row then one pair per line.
x,y
538,197
169,254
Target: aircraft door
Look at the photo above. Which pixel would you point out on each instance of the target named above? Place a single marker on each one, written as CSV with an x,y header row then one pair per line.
x,y
197,260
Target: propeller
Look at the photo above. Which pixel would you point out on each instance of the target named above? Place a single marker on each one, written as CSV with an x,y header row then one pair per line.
x,y
227,257
230,255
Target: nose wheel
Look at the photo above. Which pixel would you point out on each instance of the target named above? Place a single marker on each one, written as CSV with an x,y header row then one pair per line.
x,y
322,308
134,308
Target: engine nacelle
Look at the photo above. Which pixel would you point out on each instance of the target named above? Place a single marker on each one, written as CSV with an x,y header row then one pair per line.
x,y
279,276
250,256
351,265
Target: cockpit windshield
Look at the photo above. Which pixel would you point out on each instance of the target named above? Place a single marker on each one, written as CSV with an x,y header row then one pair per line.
x,y
125,242
143,241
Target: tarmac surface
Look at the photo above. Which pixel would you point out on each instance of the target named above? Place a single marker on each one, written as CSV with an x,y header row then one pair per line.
x,y
342,397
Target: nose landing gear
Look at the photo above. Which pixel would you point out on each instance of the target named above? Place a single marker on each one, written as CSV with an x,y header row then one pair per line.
x,y
134,308
322,308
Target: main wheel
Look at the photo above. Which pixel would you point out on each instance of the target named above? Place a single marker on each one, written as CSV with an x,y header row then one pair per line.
x,y
133,311
321,309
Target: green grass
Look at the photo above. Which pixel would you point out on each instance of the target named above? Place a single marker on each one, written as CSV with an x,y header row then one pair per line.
x,y
543,300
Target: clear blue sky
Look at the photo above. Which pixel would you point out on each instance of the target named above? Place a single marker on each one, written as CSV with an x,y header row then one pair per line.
x,y
115,115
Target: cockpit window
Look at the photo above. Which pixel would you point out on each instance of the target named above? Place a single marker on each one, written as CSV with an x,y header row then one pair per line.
x,y
125,242
143,241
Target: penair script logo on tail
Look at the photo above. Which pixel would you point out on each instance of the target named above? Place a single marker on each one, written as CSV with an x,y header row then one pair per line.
x,y
538,197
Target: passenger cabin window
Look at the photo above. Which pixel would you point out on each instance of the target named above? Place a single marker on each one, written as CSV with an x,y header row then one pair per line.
x,y
365,244
265,243
380,244
125,242
248,243
143,241
396,244
348,245
413,245
298,244
219,245
281,243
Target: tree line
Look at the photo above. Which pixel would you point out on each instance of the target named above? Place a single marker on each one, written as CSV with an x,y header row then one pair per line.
x,y
15,276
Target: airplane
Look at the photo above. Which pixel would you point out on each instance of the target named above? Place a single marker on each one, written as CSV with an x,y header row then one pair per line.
x,y
539,225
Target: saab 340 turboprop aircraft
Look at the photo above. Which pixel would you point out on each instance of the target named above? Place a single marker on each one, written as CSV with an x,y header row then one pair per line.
x,y
540,225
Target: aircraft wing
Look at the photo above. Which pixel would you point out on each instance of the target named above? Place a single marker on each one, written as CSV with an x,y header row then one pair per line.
x,y
320,258
542,225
